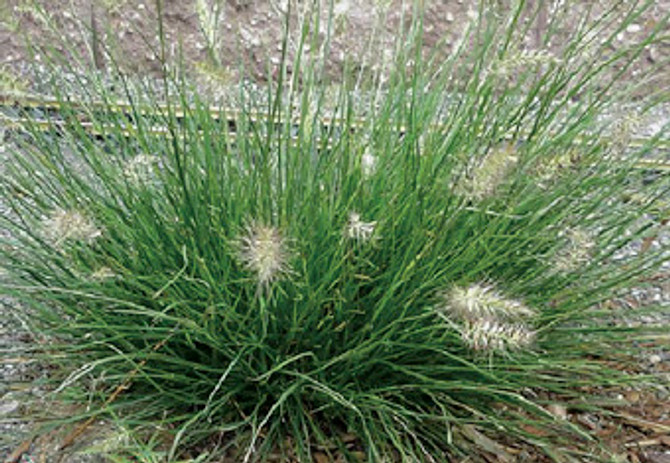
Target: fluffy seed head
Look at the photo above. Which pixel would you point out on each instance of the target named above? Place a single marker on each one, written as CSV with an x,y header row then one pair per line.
x,y
139,170
554,167
576,252
479,301
264,251
358,230
64,225
487,174
522,61
491,335
212,80
103,274
621,134
11,84
368,163
342,8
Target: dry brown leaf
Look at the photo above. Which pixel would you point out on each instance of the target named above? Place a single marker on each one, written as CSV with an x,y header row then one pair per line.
x,y
644,443
358,455
646,243
348,438
534,431
644,424
486,443
587,421
19,451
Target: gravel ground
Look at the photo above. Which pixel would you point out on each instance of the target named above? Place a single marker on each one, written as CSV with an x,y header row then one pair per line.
x,y
20,379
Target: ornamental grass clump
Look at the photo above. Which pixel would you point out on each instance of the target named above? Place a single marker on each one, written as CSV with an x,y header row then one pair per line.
x,y
394,284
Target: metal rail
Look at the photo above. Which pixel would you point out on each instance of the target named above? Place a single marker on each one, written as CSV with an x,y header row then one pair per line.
x,y
230,116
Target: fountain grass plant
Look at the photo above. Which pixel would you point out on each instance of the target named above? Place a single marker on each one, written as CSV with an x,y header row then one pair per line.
x,y
413,278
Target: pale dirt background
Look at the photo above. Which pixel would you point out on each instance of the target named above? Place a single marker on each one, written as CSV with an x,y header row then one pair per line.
x,y
249,31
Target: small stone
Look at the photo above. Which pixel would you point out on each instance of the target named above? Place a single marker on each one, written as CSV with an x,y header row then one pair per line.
x,y
358,455
633,28
558,410
658,457
654,359
450,17
588,420
8,407
633,396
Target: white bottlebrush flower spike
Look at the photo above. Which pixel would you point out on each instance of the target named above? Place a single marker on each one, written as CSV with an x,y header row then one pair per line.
x,y
492,335
621,133
342,8
102,274
481,301
264,251
64,225
368,163
487,174
486,319
550,168
576,252
139,170
359,230
522,61
210,20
